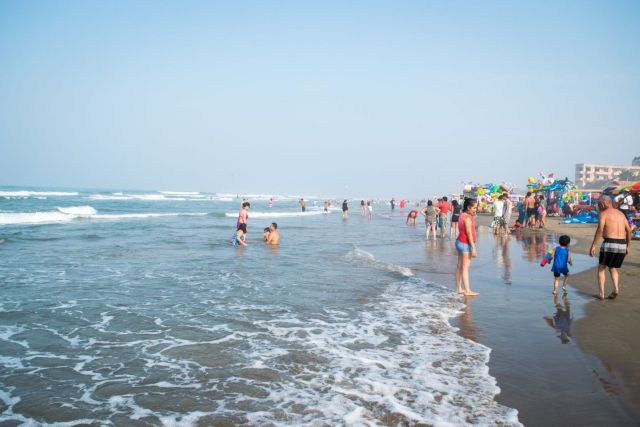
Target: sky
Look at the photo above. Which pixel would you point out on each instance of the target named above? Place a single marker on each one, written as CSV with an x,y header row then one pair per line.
x,y
359,98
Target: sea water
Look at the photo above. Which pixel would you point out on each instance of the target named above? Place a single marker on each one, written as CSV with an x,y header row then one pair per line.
x,y
125,308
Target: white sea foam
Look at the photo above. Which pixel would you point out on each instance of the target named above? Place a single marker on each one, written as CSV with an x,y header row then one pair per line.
x,y
23,194
162,196
141,197
7,399
7,331
69,304
63,215
277,214
181,193
80,211
363,258
400,357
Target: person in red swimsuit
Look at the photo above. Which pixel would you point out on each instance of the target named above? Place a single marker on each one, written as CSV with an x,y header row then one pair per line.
x,y
466,246
412,217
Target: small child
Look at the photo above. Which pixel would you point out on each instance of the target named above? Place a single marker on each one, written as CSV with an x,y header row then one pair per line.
x,y
240,236
517,226
560,258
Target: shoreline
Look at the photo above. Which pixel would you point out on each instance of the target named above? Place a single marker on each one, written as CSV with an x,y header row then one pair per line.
x,y
548,378
607,329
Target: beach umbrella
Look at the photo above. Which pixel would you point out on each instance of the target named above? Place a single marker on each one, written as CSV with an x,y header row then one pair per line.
x,y
609,190
635,187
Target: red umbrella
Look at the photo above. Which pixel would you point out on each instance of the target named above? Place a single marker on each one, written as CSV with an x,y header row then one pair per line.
x,y
635,187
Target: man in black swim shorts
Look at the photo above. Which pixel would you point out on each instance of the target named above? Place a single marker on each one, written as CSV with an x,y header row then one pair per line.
x,y
614,228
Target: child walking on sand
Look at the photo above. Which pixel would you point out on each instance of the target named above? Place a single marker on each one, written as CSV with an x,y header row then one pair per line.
x,y
561,257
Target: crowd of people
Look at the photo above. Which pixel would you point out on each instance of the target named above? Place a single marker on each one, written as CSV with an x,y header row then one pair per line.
x,y
457,220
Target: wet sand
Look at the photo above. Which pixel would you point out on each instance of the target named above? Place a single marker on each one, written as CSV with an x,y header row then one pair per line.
x,y
608,329
552,369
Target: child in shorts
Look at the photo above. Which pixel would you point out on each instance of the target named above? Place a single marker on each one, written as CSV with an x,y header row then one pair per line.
x,y
560,258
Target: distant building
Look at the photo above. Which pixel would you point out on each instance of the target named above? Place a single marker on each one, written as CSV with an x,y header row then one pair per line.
x,y
590,173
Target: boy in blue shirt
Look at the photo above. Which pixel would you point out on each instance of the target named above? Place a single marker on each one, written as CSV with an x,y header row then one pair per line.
x,y
560,258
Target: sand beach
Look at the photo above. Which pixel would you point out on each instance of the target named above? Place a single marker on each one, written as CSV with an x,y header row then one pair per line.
x,y
608,329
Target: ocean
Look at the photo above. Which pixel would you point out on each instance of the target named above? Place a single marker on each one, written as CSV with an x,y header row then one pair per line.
x,y
134,308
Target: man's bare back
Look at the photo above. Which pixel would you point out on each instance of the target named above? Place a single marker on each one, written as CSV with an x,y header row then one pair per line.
x,y
530,202
612,224
614,229
615,224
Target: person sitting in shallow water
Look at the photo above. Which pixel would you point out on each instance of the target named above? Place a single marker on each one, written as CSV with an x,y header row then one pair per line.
x,y
274,235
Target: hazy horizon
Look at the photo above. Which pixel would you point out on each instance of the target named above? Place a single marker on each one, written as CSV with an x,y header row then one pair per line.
x,y
364,99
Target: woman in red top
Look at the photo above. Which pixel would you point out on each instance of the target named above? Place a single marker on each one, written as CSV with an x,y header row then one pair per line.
x,y
466,246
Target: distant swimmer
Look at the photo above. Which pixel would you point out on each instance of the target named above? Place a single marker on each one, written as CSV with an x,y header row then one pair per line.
x,y
326,205
412,217
362,208
239,239
614,228
243,215
271,202
274,235
303,205
345,209
369,209
393,204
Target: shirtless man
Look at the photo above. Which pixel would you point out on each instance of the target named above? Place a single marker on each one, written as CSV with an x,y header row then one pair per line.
x,y
615,230
529,205
273,237
303,205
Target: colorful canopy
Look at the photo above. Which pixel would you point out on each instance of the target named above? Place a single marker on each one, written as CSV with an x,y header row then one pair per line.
x,y
633,188
549,183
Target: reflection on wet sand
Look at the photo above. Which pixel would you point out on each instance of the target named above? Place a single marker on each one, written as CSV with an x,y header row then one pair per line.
x,y
535,245
503,259
467,328
561,320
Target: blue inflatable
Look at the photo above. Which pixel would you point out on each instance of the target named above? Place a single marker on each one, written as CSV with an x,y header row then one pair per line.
x,y
582,218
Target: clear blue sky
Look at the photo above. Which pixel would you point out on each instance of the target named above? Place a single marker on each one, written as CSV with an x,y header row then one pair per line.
x,y
371,98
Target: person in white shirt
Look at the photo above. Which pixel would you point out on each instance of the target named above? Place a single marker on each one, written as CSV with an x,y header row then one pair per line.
x,y
498,211
508,207
626,201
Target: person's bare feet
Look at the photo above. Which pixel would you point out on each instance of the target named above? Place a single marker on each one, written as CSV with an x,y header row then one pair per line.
x,y
471,294
598,296
460,291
